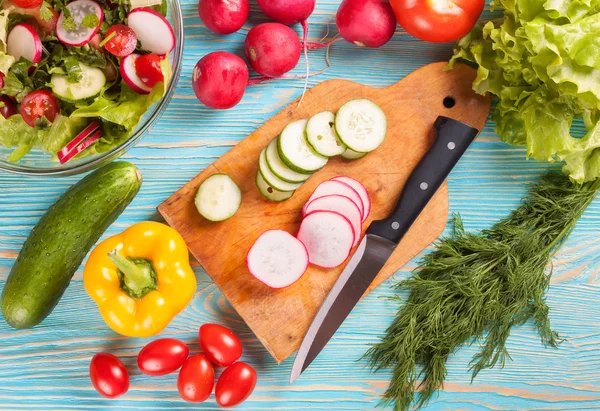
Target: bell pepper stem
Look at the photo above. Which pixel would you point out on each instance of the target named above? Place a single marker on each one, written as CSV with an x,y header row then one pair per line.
x,y
136,274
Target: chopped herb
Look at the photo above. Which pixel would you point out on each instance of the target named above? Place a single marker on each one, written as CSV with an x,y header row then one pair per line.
x,y
69,24
108,38
46,13
90,21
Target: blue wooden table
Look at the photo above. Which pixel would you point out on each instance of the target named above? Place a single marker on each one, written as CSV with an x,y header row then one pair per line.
x,y
46,368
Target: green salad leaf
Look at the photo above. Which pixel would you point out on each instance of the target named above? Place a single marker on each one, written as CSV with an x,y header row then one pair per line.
x,y
542,60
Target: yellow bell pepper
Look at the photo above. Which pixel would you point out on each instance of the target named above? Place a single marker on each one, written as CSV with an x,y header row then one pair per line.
x,y
140,279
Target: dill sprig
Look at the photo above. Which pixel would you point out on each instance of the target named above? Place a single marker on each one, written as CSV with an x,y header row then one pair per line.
x,y
474,288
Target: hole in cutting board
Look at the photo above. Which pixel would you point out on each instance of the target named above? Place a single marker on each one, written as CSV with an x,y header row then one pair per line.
x,y
449,102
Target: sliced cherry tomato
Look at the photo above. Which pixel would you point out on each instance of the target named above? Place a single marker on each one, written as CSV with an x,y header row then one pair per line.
x,y
196,379
28,4
437,20
39,104
109,376
161,357
235,384
121,40
220,344
148,69
8,108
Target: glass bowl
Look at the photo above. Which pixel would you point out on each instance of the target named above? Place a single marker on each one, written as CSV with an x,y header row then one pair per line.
x,y
38,162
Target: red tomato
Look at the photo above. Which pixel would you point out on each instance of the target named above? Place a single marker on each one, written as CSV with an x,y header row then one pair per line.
x,y
163,356
38,104
148,69
122,40
109,376
196,379
235,384
220,344
28,4
8,107
437,20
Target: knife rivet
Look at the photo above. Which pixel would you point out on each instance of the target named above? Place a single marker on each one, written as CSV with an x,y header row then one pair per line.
x,y
451,146
424,186
395,225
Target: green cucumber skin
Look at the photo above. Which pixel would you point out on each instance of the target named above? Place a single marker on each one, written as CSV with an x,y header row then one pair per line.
x,y
62,238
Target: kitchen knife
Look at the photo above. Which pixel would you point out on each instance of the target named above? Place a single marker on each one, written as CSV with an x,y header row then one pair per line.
x,y
452,138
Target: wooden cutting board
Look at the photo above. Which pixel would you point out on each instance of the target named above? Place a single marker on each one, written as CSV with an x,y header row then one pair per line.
x,y
280,318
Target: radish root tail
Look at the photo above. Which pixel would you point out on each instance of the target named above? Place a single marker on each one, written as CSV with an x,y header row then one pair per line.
x,y
304,24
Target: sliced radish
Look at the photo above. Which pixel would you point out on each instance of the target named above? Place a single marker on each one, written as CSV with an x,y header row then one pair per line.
x,y
129,74
362,192
277,259
328,188
23,41
328,237
153,31
342,205
79,9
91,140
78,139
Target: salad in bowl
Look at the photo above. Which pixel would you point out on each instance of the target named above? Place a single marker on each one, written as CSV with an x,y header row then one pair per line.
x,y
76,77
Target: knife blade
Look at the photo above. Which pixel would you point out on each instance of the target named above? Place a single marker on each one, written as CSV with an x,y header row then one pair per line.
x,y
452,138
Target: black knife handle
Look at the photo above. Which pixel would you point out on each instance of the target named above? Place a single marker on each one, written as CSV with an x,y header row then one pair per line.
x,y
452,138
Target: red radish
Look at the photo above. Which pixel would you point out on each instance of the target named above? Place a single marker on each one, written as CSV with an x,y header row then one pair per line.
x,y
327,188
223,16
219,79
23,41
328,237
362,192
94,126
366,23
272,49
342,205
153,31
8,108
277,259
2,79
91,140
129,74
79,10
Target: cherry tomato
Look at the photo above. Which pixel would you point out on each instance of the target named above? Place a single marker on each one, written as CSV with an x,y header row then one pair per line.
x,y
28,4
235,384
8,107
196,379
161,357
220,344
437,20
148,69
45,27
122,40
109,376
38,104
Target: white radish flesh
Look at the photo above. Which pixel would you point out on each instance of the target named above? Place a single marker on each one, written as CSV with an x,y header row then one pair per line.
x,y
361,190
328,188
130,76
328,237
277,259
23,41
79,10
342,205
153,31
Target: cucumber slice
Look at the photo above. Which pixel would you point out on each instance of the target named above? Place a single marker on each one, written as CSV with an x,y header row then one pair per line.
x,y
361,125
295,151
91,84
271,178
269,192
352,155
279,168
321,134
218,198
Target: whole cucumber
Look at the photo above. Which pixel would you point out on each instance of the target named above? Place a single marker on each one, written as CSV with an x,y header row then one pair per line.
x,y
61,239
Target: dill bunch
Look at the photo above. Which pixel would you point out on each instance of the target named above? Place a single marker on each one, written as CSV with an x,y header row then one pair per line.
x,y
474,288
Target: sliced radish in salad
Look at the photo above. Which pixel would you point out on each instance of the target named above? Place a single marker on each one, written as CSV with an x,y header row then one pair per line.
x,y
129,74
277,259
23,41
342,205
362,192
328,237
153,31
85,144
327,188
80,35
79,138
